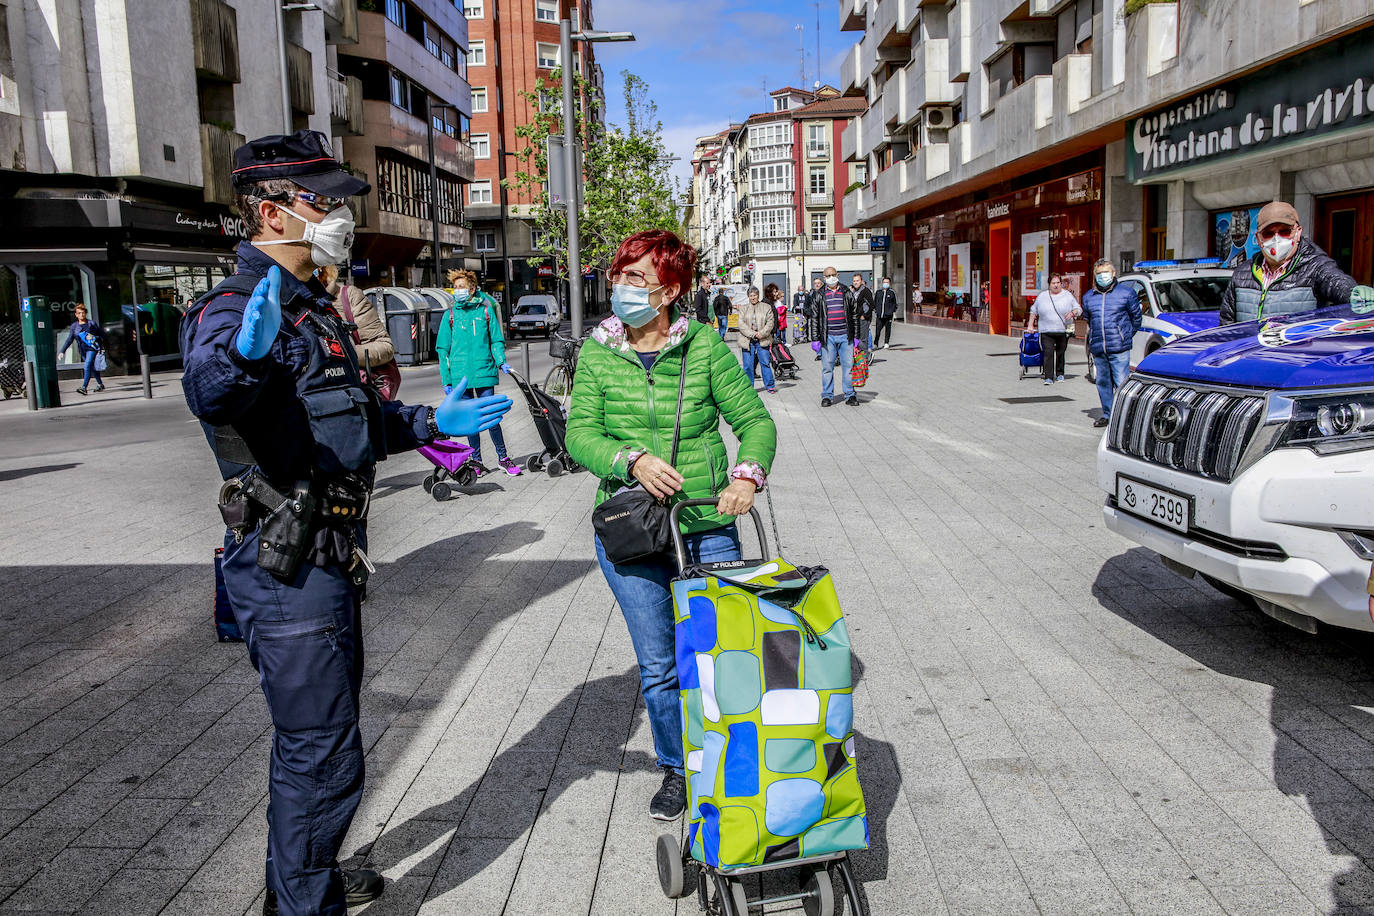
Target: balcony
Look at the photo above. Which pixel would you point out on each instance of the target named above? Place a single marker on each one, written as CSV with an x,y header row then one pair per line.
x,y
873,134
215,40
818,151
849,137
388,126
893,100
217,145
821,199
743,206
300,79
818,244
345,104
340,20
759,200
926,78
776,153
853,15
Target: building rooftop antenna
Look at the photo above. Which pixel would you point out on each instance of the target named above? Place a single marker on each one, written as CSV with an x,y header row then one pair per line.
x,y
801,46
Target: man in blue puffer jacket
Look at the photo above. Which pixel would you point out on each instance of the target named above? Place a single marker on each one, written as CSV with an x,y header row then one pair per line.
x,y
1113,314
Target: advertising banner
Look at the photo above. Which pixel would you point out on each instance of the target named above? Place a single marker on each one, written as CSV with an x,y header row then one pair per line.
x,y
959,268
1035,263
927,276
1234,234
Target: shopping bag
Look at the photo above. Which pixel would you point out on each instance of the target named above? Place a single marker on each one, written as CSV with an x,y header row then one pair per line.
x,y
100,361
859,374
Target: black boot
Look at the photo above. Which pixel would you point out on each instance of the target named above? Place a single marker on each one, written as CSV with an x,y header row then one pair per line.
x,y
360,886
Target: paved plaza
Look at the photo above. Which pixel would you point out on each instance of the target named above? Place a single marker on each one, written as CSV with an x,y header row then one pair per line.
x,y
1048,720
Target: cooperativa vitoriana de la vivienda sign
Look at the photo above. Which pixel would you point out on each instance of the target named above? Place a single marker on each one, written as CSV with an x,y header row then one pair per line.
x,y
1322,91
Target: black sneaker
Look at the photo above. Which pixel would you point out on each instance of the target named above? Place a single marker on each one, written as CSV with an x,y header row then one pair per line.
x,y
81,391
826,402
360,886
670,799
1101,421
852,401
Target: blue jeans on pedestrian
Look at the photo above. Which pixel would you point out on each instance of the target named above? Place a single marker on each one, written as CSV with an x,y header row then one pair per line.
x,y
841,347
758,353
1112,370
644,593
91,370
722,323
497,439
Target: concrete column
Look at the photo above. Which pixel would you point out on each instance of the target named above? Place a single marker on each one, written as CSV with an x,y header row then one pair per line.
x,y
1122,207
1187,223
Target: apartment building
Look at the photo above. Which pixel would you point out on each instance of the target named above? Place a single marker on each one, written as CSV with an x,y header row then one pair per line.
x,y
410,63
767,193
116,143
514,44
1008,139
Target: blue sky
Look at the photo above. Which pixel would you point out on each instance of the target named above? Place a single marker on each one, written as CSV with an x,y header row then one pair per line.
x,y
706,61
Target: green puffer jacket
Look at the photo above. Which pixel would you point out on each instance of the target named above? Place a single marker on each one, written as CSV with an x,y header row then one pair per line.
x,y
470,342
618,407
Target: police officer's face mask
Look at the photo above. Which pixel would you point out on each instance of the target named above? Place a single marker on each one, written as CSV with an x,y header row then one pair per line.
x,y
330,239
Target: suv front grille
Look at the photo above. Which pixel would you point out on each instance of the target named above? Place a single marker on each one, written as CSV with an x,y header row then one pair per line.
x,y
1215,430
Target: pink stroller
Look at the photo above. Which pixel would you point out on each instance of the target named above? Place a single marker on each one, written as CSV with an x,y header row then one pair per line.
x,y
452,461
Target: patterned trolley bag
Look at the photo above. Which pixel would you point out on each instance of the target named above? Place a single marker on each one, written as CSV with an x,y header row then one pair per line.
x,y
763,666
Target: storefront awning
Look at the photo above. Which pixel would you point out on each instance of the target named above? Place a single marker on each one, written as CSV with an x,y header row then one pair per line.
x,y
51,255
151,254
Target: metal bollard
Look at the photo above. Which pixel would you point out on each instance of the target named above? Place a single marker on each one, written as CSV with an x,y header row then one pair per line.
x,y
30,389
525,359
145,365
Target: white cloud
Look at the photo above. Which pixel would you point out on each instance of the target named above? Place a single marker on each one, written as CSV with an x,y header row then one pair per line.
x,y
680,140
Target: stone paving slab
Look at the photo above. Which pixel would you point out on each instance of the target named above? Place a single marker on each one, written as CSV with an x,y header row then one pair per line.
x,y
1048,720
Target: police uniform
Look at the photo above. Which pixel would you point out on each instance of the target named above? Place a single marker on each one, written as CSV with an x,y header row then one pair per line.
x,y
297,434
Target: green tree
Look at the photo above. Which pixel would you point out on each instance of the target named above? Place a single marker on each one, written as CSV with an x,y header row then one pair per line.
x,y
627,183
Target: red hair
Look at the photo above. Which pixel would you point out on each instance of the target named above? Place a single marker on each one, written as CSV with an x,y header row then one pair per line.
x,y
673,259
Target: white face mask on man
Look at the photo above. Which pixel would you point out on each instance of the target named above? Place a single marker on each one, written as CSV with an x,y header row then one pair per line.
x,y
330,239
832,281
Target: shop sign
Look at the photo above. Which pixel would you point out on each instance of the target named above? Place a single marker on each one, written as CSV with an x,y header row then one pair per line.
x,y
545,271
201,223
880,243
359,267
999,210
1326,89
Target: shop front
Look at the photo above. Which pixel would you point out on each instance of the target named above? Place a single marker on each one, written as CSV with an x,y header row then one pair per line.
x,y
979,265
134,264
1297,130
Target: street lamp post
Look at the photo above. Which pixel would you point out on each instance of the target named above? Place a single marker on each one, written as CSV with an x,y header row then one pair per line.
x,y
566,37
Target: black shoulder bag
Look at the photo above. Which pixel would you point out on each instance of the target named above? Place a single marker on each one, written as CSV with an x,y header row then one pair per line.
x,y
633,524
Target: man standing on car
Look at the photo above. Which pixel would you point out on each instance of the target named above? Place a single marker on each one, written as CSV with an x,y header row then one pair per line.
x,y
701,303
884,307
1290,273
1113,313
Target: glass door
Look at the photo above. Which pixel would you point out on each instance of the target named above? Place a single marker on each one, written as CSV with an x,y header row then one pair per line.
x,y
1345,229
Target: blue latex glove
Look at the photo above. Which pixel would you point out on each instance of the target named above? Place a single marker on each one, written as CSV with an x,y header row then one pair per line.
x,y
261,317
505,367
460,416
448,389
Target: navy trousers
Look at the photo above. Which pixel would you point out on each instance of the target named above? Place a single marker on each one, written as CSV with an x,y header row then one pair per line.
x,y
305,640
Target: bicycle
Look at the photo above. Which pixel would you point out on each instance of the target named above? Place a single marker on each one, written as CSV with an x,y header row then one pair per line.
x,y
558,384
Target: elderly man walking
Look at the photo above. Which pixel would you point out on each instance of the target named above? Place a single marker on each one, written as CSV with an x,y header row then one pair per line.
x,y
1113,314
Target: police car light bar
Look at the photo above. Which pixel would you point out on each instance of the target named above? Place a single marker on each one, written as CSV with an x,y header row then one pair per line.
x,y
1178,262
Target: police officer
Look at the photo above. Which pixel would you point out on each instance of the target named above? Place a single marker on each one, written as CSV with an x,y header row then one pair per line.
x,y
271,372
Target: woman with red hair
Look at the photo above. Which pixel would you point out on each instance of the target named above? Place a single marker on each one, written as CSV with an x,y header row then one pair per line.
x,y
620,427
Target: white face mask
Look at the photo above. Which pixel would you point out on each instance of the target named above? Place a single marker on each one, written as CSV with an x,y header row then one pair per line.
x,y
330,239
1278,248
832,281
887,285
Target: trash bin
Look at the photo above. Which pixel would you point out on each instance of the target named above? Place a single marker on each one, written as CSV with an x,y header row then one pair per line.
x,y
438,301
407,321
40,349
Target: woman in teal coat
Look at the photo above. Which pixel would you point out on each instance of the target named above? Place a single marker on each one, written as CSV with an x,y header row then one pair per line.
x,y
472,352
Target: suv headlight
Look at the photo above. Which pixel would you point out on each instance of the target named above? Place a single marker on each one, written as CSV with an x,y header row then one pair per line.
x,y
1331,424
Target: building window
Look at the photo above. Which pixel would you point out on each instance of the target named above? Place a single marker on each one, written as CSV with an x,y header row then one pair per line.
x,y
546,10
819,232
396,12
479,192
815,139
818,182
772,224
481,146
861,172
1015,65
477,53
546,56
472,9
862,235
484,240
780,104
403,187
400,90
479,100
448,52
770,134
764,178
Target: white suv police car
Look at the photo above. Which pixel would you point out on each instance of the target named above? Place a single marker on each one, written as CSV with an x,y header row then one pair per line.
x,y
1177,298
1243,454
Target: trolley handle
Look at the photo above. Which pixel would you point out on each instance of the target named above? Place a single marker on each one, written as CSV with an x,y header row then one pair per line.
x,y
680,550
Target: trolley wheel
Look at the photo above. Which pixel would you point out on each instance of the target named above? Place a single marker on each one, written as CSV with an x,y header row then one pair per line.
x,y
554,467
533,464
821,901
441,492
429,483
671,877
466,476
739,900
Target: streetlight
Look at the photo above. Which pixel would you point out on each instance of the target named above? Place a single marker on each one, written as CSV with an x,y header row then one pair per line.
x,y
566,37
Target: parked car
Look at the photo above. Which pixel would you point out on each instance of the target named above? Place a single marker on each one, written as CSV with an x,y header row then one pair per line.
x,y
1177,298
1243,453
535,313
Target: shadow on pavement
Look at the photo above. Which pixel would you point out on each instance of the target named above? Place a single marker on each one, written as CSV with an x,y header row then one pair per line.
x,y
20,473
1320,707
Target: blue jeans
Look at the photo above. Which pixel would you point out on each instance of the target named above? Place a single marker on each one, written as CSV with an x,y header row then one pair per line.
x,y
1112,370
645,597
497,439
843,348
722,323
90,370
759,354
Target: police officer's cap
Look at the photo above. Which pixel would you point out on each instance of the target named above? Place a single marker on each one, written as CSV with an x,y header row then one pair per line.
x,y
303,157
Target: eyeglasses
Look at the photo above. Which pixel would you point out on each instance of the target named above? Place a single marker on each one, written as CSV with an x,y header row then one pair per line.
x,y
317,202
1268,232
635,278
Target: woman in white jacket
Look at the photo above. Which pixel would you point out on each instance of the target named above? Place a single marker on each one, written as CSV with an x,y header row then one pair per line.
x,y
1053,314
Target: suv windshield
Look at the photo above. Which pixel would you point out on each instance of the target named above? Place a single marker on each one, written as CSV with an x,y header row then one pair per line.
x,y
531,308
1193,294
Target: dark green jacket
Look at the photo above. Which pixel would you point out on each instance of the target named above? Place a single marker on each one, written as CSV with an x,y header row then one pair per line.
x,y
618,408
